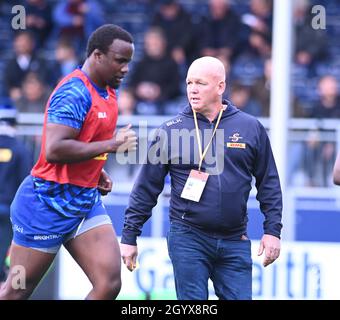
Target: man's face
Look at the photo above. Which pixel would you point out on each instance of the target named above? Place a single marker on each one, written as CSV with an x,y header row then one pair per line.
x,y
114,64
203,89
23,44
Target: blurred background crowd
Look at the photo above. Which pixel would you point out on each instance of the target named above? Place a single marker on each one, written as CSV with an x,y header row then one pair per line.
x,y
169,35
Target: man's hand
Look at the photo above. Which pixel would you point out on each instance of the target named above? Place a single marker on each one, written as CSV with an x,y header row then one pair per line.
x,y
104,184
271,245
125,139
129,255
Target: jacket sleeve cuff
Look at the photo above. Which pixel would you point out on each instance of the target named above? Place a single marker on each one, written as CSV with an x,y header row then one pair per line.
x,y
273,229
275,234
129,238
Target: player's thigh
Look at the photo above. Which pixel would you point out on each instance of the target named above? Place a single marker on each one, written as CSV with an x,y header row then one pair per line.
x,y
28,265
97,252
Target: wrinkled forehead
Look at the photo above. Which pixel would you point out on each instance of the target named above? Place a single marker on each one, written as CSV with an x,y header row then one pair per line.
x,y
206,71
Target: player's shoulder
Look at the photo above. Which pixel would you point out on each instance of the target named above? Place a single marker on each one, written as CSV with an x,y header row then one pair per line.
x,y
74,84
73,88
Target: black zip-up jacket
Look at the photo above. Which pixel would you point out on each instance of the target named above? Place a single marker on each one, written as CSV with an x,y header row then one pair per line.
x,y
237,153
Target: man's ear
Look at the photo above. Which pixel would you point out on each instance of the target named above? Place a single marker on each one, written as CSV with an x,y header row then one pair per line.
x,y
97,54
221,87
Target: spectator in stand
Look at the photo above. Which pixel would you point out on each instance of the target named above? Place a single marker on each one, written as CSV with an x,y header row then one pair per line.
x,y
328,105
173,20
260,91
76,19
35,94
222,31
311,44
154,81
24,61
259,25
38,19
261,88
321,154
66,59
240,97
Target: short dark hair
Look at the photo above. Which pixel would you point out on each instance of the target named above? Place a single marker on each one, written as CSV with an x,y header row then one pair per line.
x,y
103,37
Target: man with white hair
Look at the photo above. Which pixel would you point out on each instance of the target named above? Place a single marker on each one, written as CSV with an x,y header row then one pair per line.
x,y
208,205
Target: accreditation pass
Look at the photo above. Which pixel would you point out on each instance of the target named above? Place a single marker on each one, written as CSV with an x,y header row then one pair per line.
x,y
194,186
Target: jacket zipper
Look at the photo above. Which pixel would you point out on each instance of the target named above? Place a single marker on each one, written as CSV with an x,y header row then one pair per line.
x,y
214,151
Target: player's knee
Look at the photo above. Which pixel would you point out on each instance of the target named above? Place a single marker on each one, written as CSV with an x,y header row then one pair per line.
x,y
113,286
109,288
116,286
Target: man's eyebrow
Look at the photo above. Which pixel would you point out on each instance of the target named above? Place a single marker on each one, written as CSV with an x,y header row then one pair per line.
x,y
195,79
116,53
121,58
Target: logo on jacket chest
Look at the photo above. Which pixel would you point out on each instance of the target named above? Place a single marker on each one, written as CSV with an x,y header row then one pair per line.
x,y
102,115
235,141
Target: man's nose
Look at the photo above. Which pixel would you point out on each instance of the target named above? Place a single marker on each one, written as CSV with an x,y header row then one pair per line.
x,y
193,89
125,68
